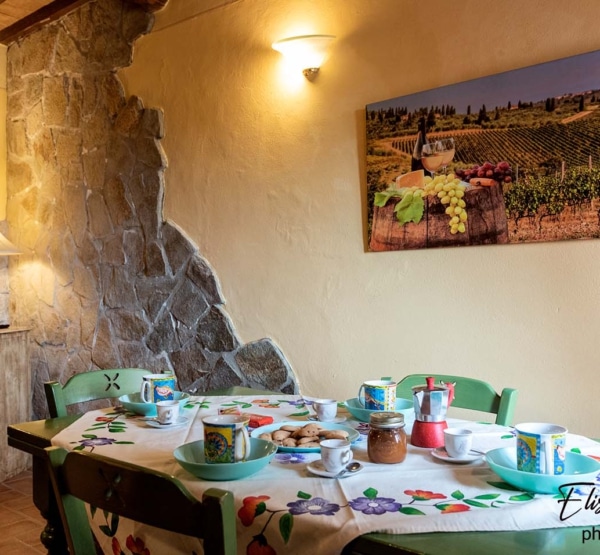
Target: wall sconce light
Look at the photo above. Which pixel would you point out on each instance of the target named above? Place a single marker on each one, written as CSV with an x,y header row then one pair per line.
x,y
307,52
6,249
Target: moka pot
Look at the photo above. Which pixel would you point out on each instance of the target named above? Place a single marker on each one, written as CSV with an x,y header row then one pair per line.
x,y
431,404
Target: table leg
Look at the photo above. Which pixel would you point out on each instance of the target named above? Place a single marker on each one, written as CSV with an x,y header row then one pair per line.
x,y
52,536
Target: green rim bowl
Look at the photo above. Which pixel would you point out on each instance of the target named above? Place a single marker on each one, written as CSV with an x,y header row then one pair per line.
x,y
191,457
578,468
405,406
133,402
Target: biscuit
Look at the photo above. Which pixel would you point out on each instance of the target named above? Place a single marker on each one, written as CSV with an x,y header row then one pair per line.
x,y
280,435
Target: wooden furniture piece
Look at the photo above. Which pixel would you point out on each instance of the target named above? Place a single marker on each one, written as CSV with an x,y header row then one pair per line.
x,y
91,386
470,394
132,491
15,384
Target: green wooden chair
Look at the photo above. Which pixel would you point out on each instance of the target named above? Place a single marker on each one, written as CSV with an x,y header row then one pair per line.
x,y
133,492
469,394
90,386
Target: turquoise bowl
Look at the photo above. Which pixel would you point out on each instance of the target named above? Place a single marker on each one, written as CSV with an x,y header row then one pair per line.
x,y
578,468
133,402
191,457
405,406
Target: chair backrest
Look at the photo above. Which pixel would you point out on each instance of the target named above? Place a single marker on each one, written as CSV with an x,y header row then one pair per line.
x,y
132,491
92,385
469,394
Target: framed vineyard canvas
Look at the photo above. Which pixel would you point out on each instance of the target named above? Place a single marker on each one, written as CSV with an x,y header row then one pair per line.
x,y
509,158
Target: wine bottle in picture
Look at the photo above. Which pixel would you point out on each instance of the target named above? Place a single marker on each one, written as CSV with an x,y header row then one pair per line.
x,y
416,163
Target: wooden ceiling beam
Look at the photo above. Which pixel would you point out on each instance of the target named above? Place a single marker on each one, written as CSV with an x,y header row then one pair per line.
x,y
33,21
56,9
150,5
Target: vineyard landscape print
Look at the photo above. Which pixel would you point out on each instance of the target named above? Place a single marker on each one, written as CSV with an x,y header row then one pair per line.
x,y
523,164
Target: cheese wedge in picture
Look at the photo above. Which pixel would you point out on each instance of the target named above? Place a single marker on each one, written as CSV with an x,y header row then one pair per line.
x,y
411,179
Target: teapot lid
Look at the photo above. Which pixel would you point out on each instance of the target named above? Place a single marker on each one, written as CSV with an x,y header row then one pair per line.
x,y
430,386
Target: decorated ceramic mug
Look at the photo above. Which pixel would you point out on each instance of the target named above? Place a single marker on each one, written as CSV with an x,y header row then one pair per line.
x,y
226,438
541,448
158,387
378,394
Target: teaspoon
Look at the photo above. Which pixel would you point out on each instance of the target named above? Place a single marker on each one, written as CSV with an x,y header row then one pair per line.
x,y
354,466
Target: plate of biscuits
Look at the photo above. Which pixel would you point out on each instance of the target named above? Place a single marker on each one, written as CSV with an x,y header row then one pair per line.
x,y
303,437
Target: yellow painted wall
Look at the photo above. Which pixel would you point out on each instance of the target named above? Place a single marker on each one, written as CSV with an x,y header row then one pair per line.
x,y
267,176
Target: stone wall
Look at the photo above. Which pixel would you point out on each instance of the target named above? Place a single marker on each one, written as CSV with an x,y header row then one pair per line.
x,y
104,281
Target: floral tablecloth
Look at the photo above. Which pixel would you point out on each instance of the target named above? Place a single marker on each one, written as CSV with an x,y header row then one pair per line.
x,y
285,509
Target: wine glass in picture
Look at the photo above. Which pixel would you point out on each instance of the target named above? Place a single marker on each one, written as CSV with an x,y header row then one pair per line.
x,y
432,156
447,148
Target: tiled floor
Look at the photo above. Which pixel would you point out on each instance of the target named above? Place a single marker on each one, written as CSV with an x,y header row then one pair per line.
x,y
20,521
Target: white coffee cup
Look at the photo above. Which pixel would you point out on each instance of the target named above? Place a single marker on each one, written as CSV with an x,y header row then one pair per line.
x,y
336,454
326,409
458,441
167,412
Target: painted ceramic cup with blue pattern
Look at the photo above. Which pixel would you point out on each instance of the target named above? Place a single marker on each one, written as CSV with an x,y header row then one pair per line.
x,y
541,448
158,387
226,438
378,394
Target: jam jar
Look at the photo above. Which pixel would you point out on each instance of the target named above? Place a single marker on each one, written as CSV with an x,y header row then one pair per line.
x,y
386,442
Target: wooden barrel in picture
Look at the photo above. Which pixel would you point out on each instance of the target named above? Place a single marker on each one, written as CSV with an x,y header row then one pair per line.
x,y
486,223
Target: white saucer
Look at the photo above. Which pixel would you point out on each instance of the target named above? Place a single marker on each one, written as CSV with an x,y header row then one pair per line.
x,y
156,424
316,467
337,419
440,453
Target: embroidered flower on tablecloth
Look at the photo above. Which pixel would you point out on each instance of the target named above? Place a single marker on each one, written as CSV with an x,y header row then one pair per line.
x,y
266,404
375,505
453,508
93,441
97,441
290,458
136,546
363,429
260,546
251,508
423,495
296,402
116,547
104,419
313,506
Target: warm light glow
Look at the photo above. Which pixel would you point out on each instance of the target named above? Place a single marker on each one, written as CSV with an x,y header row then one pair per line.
x,y
35,281
305,53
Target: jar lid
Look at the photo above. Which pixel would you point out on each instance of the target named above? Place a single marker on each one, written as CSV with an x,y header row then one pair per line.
x,y
387,419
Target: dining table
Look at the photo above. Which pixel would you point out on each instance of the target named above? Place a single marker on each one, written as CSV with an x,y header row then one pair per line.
x,y
426,504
